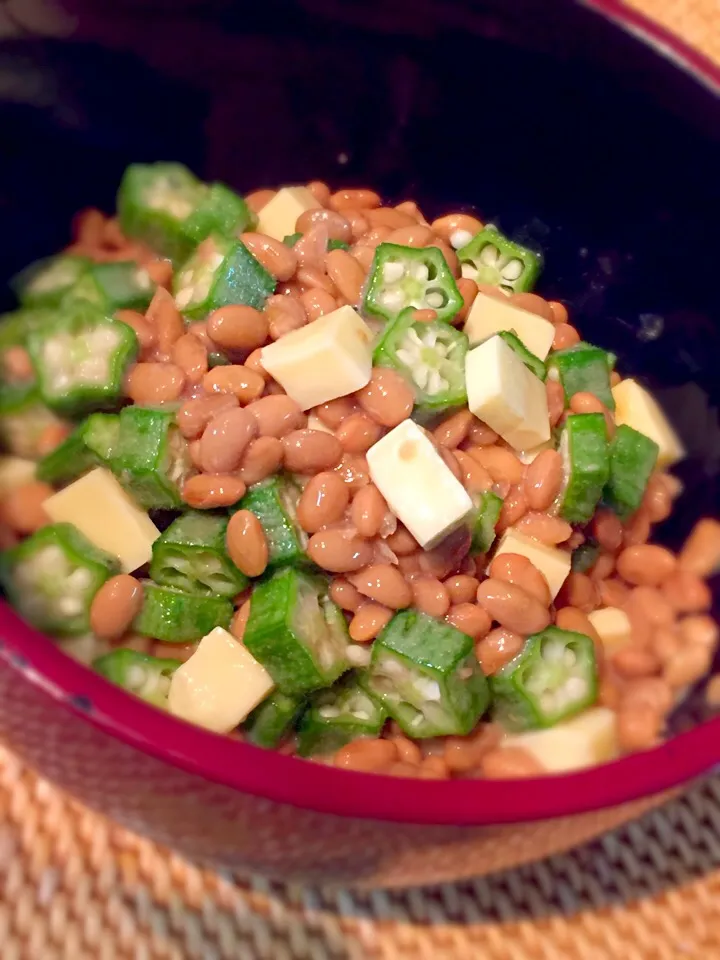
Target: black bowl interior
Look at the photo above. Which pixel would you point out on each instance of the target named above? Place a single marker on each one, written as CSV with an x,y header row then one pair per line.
x,y
566,133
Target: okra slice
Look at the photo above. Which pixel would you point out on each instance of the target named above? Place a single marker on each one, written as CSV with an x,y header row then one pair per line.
x,y
583,368
274,503
336,716
154,202
114,286
484,520
172,616
532,362
586,466
145,676
584,557
45,282
220,272
632,460
402,277
296,632
101,435
191,556
68,460
270,721
52,577
23,424
81,357
152,459
430,356
17,381
552,678
426,675
491,258
220,210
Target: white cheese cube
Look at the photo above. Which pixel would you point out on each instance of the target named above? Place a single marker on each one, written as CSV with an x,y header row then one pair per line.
x,y
527,456
99,507
219,684
584,741
15,472
315,423
417,485
326,359
552,562
489,315
505,395
635,407
613,627
277,218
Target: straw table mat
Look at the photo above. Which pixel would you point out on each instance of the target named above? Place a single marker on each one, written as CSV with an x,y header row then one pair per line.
x,y
75,887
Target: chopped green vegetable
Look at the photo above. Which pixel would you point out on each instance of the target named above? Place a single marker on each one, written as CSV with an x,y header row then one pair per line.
x,y
552,678
491,258
291,239
81,357
585,556
172,616
17,384
139,673
270,721
336,716
484,520
583,368
113,286
586,465
68,460
274,503
402,277
427,677
533,363
632,460
430,356
191,556
52,577
220,211
220,272
151,459
45,282
101,434
296,632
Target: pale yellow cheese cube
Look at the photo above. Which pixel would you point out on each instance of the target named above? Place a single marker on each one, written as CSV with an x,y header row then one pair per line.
x,y
638,409
416,483
326,359
15,472
99,507
489,315
527,456
613,627
584,741
552,562
277,218
505,395
219,684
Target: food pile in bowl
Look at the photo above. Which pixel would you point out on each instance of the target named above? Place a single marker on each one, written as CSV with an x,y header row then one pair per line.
x,y
309,470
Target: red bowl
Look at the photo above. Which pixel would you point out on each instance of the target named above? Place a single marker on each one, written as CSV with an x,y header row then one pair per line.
x,y
220,800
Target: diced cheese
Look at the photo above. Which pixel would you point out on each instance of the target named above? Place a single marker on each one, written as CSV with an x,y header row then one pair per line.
x,y
635,407
15,472
613,626
505,395
553,563
277,218
417,485
219,684
527,456
99,507
489,315
315,423
584,741
326,359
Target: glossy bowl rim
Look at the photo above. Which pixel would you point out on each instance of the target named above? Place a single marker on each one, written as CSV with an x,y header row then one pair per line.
x,y
263,773
313,786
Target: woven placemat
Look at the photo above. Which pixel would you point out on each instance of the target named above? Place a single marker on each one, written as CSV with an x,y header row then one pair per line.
x,y
74,886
